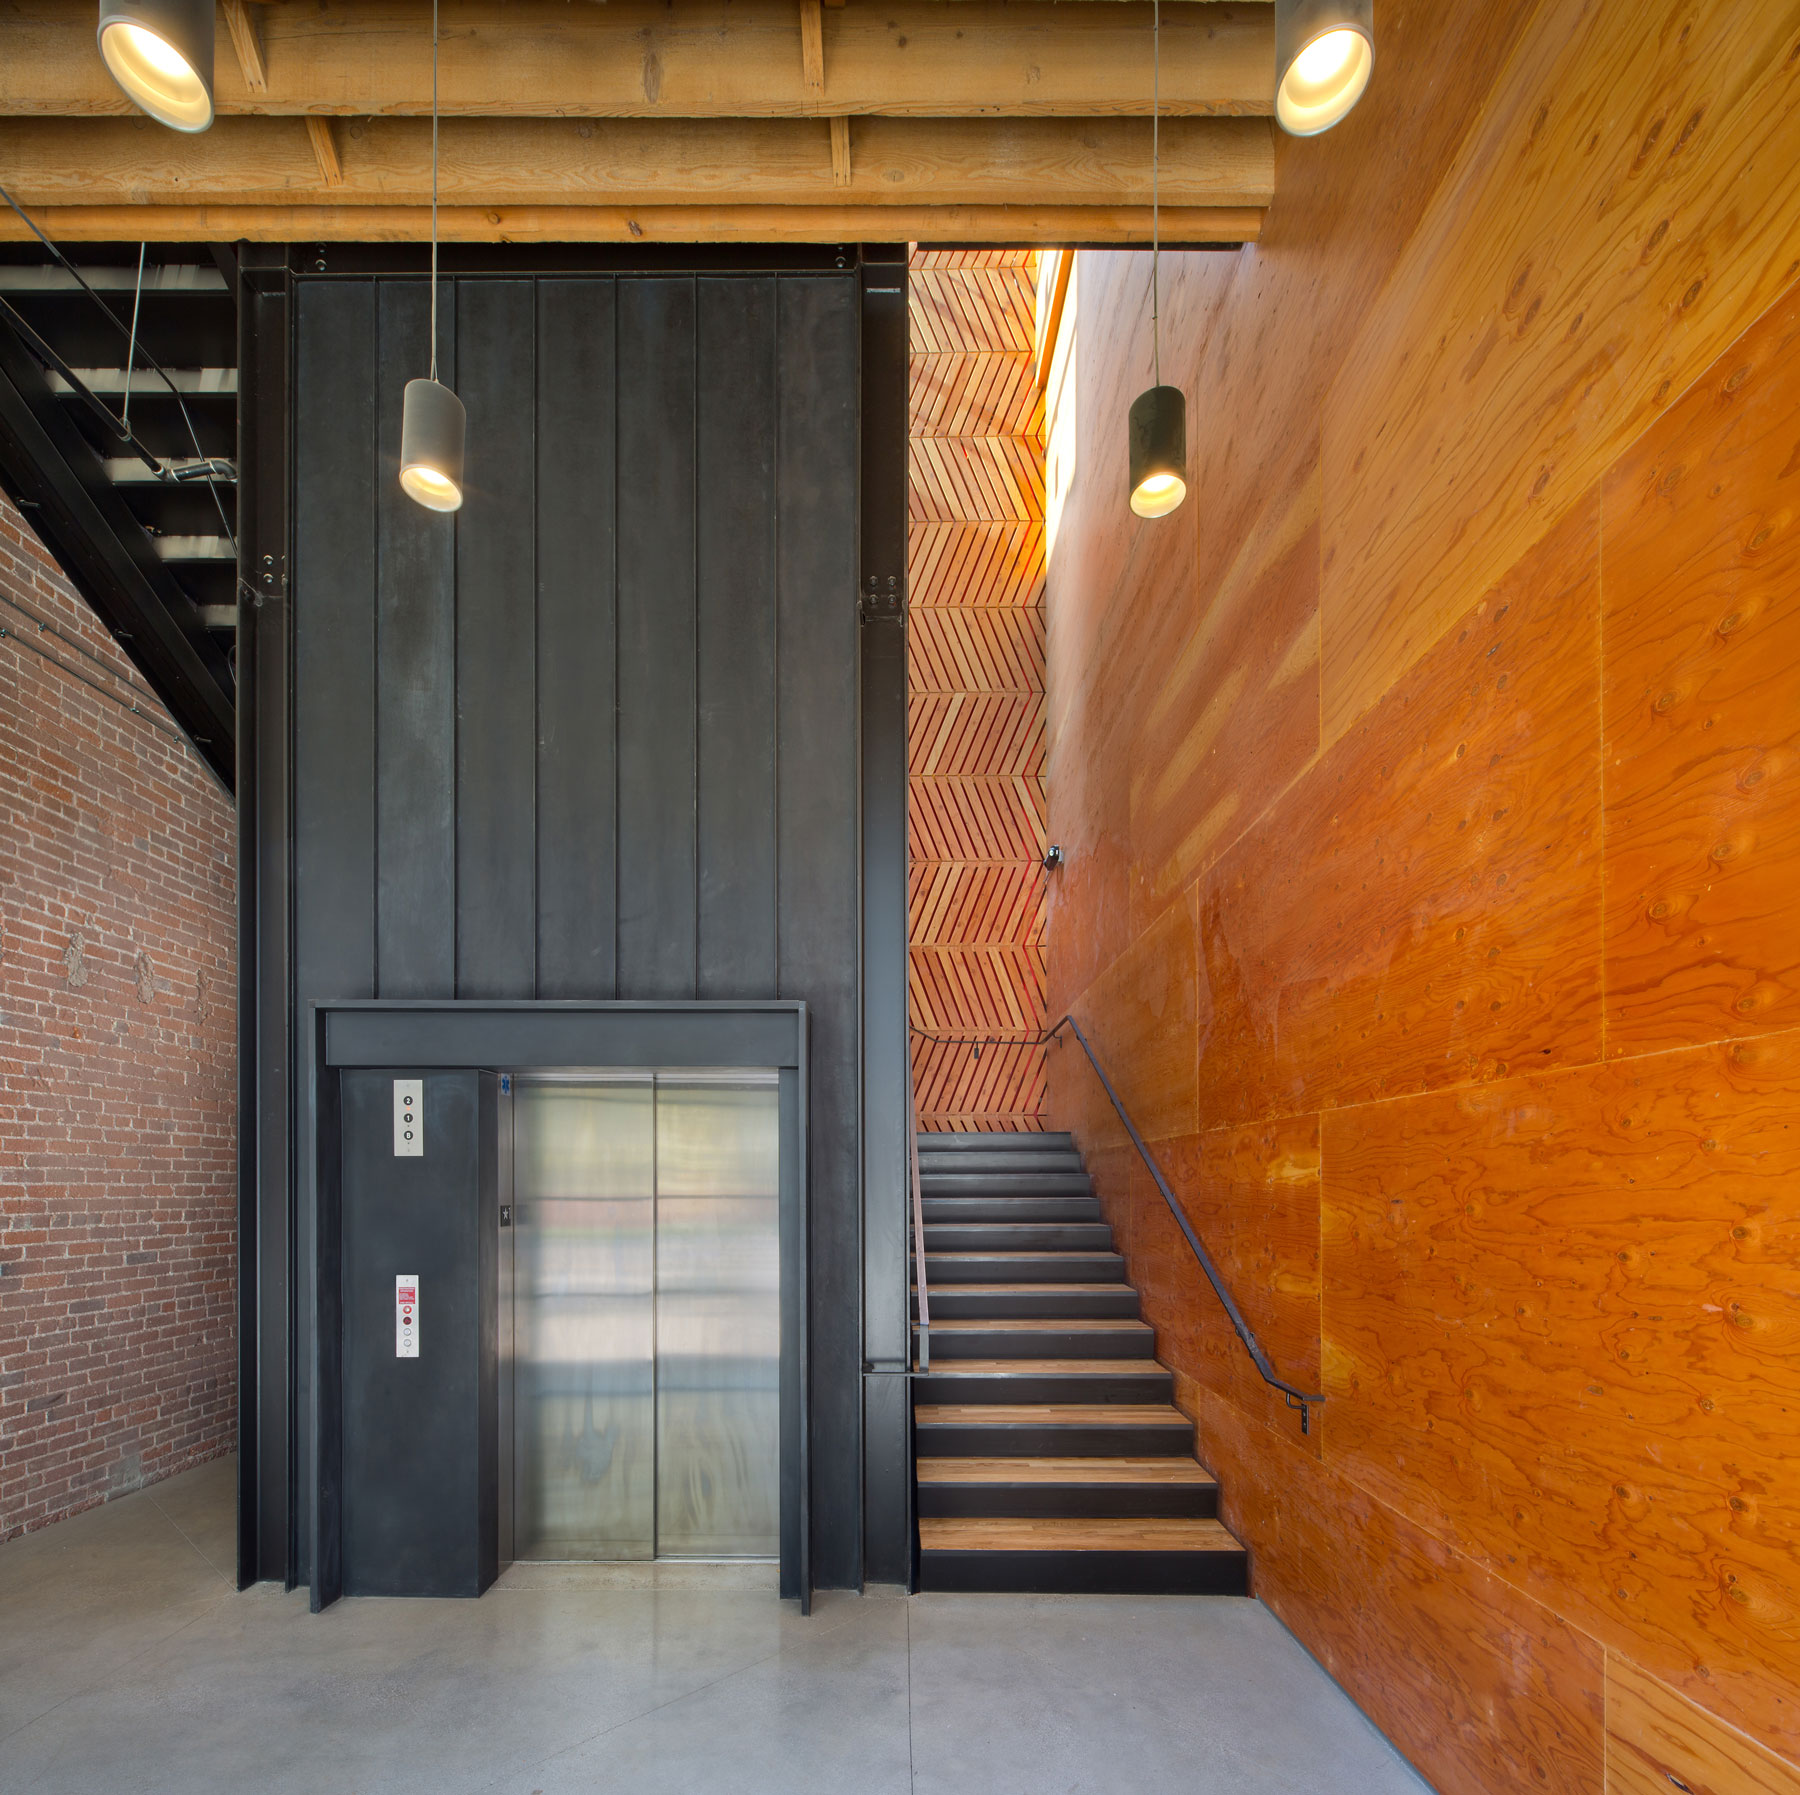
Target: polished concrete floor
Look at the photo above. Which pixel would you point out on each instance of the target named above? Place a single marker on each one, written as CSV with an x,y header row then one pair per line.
x,y
128,1662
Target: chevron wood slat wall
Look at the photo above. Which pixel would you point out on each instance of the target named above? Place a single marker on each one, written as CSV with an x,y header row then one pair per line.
x,y
975,649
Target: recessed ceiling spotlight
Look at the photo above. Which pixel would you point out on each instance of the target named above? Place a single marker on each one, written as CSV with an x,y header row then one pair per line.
x,y
161,53
1324,53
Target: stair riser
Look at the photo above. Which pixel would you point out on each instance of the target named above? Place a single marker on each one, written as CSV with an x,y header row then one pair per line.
x,y
1011,1209
1119,1303
1125,1385
1067,1439
1086,1501
1014,1237
1009,1161
1040,1343
933,1183
1221,1573
1047,1268
976,1143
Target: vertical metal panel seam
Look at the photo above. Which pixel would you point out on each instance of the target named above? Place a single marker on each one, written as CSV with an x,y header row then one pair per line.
x,y
375,670
694,599
616,409
537,809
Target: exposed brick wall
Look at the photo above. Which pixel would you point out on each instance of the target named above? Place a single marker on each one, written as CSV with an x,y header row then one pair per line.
x,y
117,1066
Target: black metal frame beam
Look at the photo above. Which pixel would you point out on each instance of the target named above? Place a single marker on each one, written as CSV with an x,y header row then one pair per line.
x,y
265,1152
881,597
54,475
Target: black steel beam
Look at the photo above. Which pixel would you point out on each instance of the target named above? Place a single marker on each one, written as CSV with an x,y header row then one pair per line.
x,y
53,474
887,1410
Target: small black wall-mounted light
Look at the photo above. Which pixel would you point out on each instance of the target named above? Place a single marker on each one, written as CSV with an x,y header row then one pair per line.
x,y
433,421
1054,859
1156,432
1324,55
161,53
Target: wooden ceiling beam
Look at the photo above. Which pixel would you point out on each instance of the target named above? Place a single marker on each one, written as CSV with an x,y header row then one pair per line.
x,y
1025,225
542,162
700,59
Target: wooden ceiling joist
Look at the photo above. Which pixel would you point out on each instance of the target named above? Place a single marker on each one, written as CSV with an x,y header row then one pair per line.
x,y
545,162
721,223
698,59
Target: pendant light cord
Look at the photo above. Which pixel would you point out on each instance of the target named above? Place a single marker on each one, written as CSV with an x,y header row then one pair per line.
x,y
1155,173
434,183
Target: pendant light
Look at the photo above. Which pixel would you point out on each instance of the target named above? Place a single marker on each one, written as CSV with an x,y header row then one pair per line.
x,y
1157,430
161,53
1324,53
433,423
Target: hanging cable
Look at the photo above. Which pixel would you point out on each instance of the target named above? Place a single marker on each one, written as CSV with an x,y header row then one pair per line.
x,y
1155,190
434,189
137,299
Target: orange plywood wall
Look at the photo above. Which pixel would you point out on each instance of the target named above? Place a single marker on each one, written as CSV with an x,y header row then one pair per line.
x,y
975,668
1431,791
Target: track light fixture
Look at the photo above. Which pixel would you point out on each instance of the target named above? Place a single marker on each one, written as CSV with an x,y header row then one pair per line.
x,y
1324,52
433,423
161,53
1156,434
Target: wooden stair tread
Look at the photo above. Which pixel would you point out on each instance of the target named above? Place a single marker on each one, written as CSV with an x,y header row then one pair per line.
x,y
1075,1534
1047,1368
1050,1414
1028,1324
1070,1289
1162,1471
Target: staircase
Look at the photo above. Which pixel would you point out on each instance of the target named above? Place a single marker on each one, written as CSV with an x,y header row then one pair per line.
x,y
1050,1455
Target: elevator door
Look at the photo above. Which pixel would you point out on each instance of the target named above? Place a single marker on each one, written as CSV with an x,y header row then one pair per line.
x,y
646,1316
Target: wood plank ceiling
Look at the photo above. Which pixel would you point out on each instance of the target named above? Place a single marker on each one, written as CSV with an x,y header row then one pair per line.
x,y
638,120
975,679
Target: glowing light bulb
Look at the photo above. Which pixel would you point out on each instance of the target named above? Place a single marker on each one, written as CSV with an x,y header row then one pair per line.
x,y
1324,81
431,488
157,75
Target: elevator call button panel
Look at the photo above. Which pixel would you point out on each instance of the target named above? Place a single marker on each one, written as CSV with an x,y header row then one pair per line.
x,y
406,1315
409,1118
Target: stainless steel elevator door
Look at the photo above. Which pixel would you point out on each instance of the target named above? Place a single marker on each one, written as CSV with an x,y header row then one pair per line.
x,y
646,1316
584,1322
718,1317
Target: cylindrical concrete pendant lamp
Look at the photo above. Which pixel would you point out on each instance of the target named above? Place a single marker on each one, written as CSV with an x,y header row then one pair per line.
x,y
161,53
433,421
1324,54
1156,432
432,426
1158,438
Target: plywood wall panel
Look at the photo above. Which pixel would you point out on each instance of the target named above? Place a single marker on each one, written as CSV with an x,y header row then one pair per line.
x,y
1252,1195
1200,776
1424,906
1139,1015
1622,207
1481,1687
1656,1741
1467,345
1561,1315
1702,720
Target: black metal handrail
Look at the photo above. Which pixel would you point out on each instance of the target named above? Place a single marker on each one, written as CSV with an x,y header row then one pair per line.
x,y
1292,1394
918,1220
